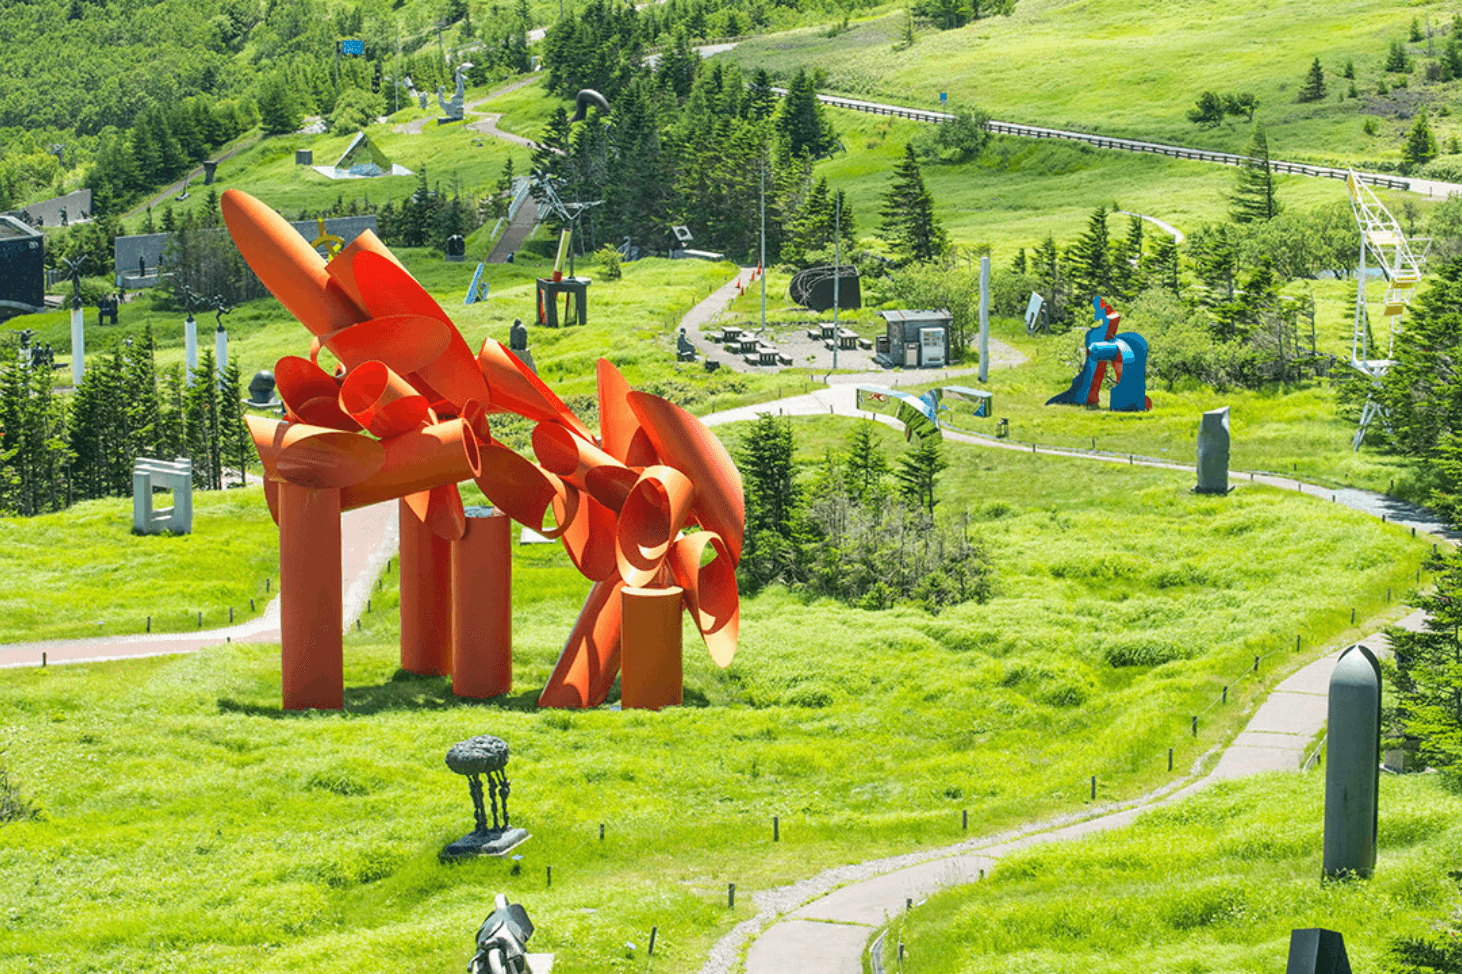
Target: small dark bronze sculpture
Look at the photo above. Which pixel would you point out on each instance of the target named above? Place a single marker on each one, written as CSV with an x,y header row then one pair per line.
x,y
74,266
475,757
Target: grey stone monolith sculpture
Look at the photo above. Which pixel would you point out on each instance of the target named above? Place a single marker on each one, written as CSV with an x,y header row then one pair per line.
x,y
1213,452
1352,764
1316,951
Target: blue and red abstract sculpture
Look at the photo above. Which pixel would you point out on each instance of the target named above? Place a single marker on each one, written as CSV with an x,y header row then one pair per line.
x,y
1127,353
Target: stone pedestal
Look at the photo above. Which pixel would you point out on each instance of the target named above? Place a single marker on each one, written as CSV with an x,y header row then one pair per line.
x,y
78,345
190,349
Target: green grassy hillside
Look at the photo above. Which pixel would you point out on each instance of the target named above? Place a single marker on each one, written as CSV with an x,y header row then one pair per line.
x,y
1135,69
1214,883
188,825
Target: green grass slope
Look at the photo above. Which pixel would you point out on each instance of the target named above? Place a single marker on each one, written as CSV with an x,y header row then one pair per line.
x,y
1134,70
188,825
1214,883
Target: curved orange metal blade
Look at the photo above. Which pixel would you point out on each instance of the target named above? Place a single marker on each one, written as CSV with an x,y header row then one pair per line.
x,y
586,668
654,512
389,290
523,490
710,592
287,265
406,343
617,422
685,443
381,401
589,540
313,456
310,394
568,455
514,389
341,267
445,515
433,456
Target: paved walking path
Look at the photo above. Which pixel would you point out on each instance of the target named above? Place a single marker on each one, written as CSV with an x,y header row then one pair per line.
x,y
367,542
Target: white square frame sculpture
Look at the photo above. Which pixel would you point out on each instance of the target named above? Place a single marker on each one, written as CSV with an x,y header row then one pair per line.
x,y
149,475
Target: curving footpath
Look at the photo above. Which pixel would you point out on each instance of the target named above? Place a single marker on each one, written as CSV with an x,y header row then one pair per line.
x,y
367,543
822,925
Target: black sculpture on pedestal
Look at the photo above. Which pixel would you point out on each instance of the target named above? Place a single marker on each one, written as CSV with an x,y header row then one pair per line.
x,y
475,757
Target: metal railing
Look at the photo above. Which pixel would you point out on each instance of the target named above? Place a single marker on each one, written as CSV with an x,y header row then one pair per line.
x,y
1107,142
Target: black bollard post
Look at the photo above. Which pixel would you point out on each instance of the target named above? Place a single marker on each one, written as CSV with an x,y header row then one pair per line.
x,y
251,605
1296,643
549,875
1352,615
1093,787
651,951
601,831
266,584
1225,694
1195,725
149,623
43,660
776,829
730,896
1256,664
965,821
1170,759
200,620
230,614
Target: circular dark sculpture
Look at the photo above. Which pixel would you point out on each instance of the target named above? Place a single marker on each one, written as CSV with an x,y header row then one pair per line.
x,y
478,755
813,288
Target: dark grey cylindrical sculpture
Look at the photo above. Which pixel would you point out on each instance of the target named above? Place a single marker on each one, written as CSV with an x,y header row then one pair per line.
x,y
1213,442
1352,764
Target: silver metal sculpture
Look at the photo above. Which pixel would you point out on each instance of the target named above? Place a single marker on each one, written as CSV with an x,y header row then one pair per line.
x,y
1352,764
1213,449
454,110
502,939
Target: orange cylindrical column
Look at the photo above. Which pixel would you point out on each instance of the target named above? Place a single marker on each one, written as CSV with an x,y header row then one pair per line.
x,y
649,657
312,654
426,597
482,605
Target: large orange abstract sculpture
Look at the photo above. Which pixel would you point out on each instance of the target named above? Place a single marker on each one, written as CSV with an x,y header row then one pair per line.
x,y
404,417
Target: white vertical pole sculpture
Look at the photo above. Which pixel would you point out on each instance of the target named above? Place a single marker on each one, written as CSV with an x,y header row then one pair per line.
x,y
220,349
190,348
78,343
985,318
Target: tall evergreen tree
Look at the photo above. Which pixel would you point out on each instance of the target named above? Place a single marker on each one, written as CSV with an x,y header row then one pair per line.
x,y
802,121
1091,259
909,224
1421,144
1253,198
1314,86
918,473
866,469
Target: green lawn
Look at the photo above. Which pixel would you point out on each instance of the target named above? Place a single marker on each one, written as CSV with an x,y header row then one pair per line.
x,y
82,572
1134,70
1214,883
1293,430
189,826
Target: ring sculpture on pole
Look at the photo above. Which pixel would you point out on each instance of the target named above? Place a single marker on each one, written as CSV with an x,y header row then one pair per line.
x,y
405,417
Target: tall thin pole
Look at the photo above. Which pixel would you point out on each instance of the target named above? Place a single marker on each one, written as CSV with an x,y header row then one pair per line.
x,y
397,69
837,271
762,265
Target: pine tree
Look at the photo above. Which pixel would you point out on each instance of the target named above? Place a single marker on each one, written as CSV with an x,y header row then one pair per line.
x,y
201,430
1314,86
1162,263
1046,265
802,120
909,224
1091,259
1253,197
236,445
1428,674
141,403
1397,60
918,473
866,467
1421,144
761,101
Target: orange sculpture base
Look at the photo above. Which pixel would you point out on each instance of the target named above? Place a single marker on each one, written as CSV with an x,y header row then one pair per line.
x,y
482,606
650,648
426,597
312,652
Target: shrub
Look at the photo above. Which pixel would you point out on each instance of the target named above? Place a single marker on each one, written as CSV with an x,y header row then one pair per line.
x,y
608,259
354,110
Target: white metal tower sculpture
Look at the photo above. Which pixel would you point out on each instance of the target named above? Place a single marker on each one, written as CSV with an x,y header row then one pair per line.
x,y
1382,239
